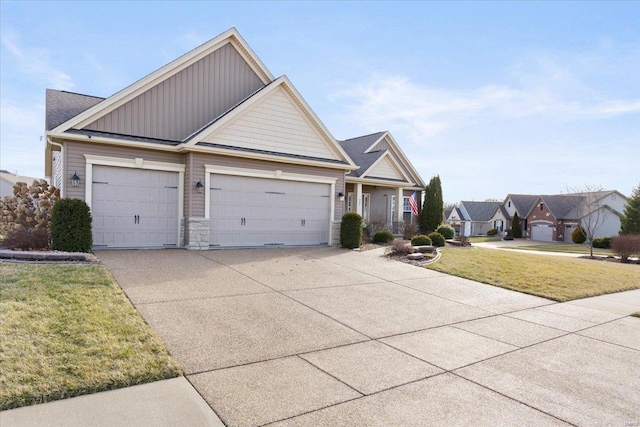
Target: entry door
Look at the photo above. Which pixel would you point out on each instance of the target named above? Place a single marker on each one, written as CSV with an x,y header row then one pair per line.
x,y
134,208
248,211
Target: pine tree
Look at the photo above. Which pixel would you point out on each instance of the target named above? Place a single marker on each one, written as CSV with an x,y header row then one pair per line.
x,y
630,220
432,209
516,231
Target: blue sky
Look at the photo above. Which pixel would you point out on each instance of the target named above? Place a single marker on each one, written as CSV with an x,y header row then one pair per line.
x,y
495,97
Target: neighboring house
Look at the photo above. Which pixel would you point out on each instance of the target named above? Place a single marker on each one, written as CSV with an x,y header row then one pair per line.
x,y
454,218
384,177
8,180
211,150
502,218
554,217
474,218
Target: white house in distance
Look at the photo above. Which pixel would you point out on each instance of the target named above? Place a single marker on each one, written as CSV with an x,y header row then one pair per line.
x,y
8,180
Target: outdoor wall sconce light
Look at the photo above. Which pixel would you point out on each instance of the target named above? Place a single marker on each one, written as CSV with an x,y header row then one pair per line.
x,y
341,196
199,187
75,179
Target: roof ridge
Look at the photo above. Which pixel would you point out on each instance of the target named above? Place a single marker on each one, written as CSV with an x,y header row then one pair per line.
x,y
362,136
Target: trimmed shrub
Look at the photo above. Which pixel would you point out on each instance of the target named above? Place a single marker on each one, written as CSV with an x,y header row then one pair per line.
x,y
492,232
27,239
578,235
71,226
602,243
626,246
383,236
351,230
507,237
437,239
447,231
420,240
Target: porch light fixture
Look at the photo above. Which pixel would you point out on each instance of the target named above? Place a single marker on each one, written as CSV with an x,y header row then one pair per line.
x,y
199,187
341,196
75,179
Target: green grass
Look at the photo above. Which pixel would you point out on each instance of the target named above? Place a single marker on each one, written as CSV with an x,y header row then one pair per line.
x,y
483,239
67,330
556,278
571,248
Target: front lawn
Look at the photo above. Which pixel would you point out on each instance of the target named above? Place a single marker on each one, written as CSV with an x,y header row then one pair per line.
x,y
556,278
67,330
483,239
571,248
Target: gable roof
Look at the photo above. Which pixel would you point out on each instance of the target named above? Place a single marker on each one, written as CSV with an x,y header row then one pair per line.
x,y
522,202
558,204
283,88
356,147
62,106
232,36
367,150
479,211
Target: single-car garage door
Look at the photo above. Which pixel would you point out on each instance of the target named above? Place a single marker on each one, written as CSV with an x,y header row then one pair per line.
x,y
134,208
542,232
268,212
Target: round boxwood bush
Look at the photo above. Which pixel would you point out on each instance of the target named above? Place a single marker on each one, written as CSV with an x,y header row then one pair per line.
x,y
578,235
71,226
383,236
447,231
437,239
492,232
420,240
351,230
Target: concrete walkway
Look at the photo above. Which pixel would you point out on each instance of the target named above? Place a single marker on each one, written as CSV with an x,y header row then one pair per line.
x,y
327,337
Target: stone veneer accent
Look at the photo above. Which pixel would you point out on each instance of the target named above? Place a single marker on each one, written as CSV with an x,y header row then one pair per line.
x,y
335,233
197,234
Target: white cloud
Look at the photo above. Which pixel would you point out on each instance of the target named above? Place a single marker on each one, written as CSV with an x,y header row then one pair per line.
x,y
35,63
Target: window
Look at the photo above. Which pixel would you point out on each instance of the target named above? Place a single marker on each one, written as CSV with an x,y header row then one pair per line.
x,y
350,202
406,206
366,198
541,206
509,203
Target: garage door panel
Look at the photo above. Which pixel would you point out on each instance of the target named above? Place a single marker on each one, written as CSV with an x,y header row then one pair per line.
x,y
134,207
542,232
275,212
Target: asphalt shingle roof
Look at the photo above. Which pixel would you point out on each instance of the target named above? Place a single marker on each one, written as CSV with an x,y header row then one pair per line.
x,y
355,148
523,203
62,106
480,211
561,205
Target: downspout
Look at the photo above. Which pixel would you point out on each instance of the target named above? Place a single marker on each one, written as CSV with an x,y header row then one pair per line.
x,y
62,183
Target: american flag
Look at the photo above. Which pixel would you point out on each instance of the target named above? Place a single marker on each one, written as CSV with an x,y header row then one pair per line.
x,y
413,201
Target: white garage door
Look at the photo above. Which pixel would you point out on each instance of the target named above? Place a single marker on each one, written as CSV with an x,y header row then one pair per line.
x,y
134,208
542,232
267,212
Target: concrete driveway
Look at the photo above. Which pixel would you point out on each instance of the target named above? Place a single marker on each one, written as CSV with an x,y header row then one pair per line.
x,y
327,337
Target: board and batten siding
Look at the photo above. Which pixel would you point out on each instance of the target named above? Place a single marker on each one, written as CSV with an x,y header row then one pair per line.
x,y
187,101
202,159
76,162
275,124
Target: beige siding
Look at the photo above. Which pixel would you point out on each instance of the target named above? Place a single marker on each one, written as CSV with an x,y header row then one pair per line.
x,y
382,145
187,101
201,159
385,169
275,124
76,162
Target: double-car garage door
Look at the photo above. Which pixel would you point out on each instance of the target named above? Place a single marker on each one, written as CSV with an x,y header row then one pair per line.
x,y
247,211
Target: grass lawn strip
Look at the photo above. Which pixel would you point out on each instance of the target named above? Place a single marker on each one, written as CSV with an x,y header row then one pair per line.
x,y
565,248
556,278
483,239
68,330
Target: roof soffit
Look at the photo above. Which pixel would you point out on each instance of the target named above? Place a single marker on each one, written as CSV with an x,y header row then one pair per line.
x,y
165,72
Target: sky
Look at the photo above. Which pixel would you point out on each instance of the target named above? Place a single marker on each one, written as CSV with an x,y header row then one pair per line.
x,y
494,97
